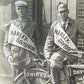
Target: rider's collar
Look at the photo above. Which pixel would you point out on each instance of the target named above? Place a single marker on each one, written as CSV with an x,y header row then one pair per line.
x,y
24,20
64,22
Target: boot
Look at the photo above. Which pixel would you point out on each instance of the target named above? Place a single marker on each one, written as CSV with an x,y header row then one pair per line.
x,y
55,75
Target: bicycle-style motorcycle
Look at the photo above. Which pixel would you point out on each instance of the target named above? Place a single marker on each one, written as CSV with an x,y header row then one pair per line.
x,y
70,74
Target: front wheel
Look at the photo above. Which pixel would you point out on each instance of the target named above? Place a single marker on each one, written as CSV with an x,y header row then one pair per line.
x,y
21,79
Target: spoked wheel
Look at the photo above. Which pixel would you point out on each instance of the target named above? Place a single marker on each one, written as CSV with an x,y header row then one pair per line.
x,y
21,79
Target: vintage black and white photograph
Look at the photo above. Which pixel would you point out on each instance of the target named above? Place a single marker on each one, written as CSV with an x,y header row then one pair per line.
x,y
41,41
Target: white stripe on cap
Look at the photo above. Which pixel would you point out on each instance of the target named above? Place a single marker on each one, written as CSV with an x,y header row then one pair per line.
x,y
20,3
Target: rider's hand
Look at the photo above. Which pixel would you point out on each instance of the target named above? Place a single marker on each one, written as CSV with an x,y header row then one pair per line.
x,y
10,59
65,59
46,62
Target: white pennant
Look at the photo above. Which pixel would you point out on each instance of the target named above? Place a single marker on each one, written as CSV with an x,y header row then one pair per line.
x,y
62,39
18,38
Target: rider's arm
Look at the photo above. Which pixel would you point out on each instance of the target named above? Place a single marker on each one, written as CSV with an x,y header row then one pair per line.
x,y
5,27
48,48
7,47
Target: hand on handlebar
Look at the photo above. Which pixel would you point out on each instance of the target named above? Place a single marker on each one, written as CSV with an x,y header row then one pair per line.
x,y
46,62
65,59
37,60
10,59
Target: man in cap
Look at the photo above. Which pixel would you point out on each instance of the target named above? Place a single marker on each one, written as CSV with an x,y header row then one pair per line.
x,y
21,37
61,40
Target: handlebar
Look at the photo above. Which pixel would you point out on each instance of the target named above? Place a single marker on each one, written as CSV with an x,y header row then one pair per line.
x,y
81,66
77,52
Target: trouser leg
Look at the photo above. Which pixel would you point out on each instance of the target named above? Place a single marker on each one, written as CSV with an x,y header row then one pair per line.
x,y
56,65
15,72
55,75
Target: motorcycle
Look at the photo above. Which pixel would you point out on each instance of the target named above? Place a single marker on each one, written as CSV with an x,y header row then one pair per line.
x,y
70,74
36,75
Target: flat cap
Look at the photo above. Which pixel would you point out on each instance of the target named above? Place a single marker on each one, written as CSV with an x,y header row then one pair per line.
x,y
62,6
21,3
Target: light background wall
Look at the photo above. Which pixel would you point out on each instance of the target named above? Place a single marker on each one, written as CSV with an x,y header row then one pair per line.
x,y
72,8
5,16
51,10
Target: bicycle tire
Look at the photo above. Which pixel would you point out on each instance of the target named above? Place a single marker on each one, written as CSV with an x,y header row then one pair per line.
x,y
21,79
